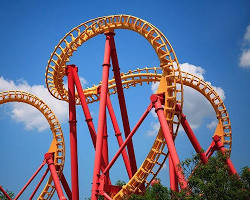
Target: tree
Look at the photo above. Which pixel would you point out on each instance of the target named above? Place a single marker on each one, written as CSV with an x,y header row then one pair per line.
x,y
3,197
206,182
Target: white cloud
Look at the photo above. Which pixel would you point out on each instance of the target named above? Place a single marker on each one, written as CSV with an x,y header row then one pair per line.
x,y
28,115
220,92
154,86
245,55
155,128
196,70
247,34
212,125
196,106
245,58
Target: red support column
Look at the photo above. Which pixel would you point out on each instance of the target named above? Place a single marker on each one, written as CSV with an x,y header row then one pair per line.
x,y
101,118
50,161
5,193
122,104
38,185
105,148
221,148
144,115
85,107
86,112
107,196
155,99
210,149
66,186
191,135
29,181
172,175
118,136
105,142
73,135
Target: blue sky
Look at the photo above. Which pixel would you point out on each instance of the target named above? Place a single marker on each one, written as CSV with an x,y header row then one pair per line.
x,y
212,38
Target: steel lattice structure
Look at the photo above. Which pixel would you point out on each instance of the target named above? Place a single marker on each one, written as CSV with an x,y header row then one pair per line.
x,y
167,103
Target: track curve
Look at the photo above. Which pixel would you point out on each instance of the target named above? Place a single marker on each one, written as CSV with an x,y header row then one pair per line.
x,y
157,156
57,144
55,70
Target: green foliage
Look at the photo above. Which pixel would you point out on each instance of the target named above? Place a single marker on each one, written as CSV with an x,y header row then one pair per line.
x,y
2,196
120,183
207,182
157,191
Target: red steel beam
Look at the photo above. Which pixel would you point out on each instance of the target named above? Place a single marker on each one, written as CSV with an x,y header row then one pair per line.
x,y
66,186
38,185
101,118
221,148
118,136
191,135
107,196
105,148
86,112
144,115
210,149
172,175
73,134
50,162
155,99
85,107
122,104
29,181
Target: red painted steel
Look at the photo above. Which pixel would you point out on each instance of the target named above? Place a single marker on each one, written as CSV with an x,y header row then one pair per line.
x,y
73,134
105,142
122,104
50,162
29,181
107,196
144,115
155,99
118,136
105,148
221,148
210,148
38,185
5,193
101,118
172,175
85,108
86,112
66,186
191,135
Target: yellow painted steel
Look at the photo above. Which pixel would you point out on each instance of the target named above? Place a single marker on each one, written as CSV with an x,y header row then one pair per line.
x,y
158,155
172,80
55,70
57,144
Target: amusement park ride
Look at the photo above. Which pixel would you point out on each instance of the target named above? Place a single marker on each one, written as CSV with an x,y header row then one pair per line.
x,y
167,102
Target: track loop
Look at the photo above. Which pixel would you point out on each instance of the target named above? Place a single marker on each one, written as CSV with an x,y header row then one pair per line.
x,y
158,153
57,144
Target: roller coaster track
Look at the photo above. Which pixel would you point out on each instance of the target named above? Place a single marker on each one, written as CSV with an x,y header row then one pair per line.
x,y
171,80
57,144
169,75
158,155
55,70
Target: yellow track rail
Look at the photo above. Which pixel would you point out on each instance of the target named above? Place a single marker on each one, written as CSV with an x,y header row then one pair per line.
x,y
55,70
158,155
148,75
57,144
169,76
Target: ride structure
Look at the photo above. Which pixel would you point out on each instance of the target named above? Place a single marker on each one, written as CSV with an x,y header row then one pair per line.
x,y
167,102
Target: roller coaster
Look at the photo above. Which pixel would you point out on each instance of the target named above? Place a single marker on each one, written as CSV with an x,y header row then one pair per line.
x,y
167,102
